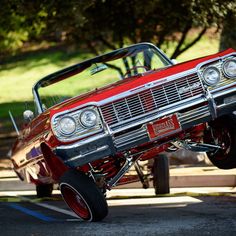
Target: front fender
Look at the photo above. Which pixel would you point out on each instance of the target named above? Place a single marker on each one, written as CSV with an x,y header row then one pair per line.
x,y
56,166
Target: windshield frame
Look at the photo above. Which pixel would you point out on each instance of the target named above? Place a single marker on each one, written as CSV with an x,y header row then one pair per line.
x,y
79,67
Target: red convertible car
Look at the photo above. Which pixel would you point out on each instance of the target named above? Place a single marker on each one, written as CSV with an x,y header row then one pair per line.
x,y
96,119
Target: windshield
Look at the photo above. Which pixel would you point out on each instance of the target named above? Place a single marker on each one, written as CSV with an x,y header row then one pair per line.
x,y
99,72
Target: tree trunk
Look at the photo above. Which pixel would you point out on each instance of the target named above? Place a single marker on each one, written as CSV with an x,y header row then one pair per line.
x,y
228,34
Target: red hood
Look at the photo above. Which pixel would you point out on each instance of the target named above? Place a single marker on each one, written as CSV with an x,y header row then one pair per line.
x,y
131,83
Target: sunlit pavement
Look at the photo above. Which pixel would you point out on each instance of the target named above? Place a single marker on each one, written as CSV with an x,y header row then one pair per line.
x,y
132,211
185,211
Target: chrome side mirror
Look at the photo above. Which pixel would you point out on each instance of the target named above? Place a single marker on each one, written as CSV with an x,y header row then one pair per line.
x,y
28,115
174,61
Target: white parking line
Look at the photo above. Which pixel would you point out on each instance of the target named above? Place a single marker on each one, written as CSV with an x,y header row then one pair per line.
x,y
45,205
167,202
54,208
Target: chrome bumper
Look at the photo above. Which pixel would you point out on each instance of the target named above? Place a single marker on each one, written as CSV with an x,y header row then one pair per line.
x,y
205,108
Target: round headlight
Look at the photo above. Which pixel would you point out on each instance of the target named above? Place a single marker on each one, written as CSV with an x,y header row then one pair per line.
x,y
67,125
211,76
229,68
88,118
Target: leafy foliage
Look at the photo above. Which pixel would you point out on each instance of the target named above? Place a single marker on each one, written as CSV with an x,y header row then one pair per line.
x,y
228,36
110,23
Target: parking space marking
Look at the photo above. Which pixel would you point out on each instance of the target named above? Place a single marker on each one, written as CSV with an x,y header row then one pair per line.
x,y
32,213
54,208
118,198
18,198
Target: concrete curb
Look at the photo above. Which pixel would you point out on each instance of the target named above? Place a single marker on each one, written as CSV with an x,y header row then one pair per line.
x,y
179,178
123,194
203,181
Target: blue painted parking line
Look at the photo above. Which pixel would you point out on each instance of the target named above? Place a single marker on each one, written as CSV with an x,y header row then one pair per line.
x,y
32,213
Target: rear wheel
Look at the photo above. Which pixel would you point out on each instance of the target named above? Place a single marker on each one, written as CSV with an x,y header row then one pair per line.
x,y
222,132
44,190
161,176
83,196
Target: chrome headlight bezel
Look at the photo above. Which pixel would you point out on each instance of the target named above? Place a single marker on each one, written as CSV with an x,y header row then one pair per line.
x,y
81,131
94,120
225,69
208,81
63,128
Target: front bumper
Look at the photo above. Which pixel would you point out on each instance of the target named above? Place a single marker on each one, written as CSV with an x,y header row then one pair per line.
x,y
192,112
80,153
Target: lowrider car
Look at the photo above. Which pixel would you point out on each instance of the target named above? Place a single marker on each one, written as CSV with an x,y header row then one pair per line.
x,y
96,119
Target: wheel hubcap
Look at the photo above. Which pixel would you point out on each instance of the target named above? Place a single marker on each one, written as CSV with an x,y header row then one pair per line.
x,y
75,201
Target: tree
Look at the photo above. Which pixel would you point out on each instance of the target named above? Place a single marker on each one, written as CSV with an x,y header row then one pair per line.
x,y
113,23
20,21
228,35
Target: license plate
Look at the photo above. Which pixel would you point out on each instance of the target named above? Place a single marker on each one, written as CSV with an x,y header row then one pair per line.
x,y
163,127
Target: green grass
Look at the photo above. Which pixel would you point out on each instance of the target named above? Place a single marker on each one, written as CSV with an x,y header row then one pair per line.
x,y
16,108
202,48
17,78
208,44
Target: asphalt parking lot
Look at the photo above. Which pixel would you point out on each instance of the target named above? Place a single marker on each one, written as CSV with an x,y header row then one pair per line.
x,y
131,212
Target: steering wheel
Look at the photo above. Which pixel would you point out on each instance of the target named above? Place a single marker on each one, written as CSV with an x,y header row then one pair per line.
x,y
134,68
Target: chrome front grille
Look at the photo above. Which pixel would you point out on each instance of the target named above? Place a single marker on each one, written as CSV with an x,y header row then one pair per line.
x,y
193,115
151,99
134,138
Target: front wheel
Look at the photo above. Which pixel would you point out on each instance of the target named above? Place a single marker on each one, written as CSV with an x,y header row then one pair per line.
x,y
222,132
161,176
83,196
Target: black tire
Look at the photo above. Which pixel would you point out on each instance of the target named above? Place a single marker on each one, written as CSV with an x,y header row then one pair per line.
x,y
83,196
161,175
44,190
222,132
